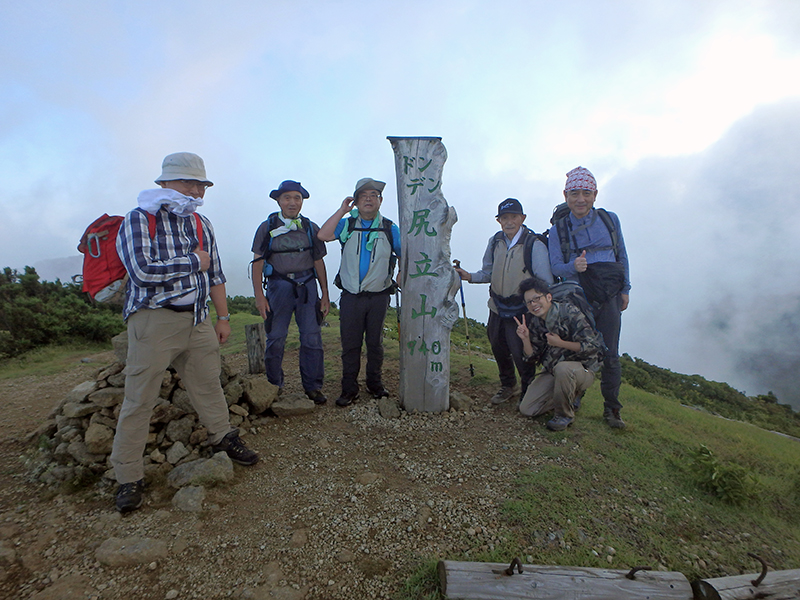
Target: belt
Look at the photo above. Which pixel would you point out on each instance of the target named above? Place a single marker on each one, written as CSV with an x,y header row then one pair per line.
x,y
293,276
179,307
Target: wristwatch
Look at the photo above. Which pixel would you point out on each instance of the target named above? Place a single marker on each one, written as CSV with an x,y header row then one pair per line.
x,y
224,317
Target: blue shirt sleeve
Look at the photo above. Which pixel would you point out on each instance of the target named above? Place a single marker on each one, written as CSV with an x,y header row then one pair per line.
x,y
339,227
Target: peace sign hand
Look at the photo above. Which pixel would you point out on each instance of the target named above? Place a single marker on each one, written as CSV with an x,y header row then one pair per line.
x,y
522,328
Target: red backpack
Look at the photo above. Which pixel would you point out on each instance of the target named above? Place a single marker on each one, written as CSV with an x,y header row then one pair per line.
x,y
104,275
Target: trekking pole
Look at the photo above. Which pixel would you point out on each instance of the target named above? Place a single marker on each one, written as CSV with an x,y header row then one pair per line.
x,y
457,263
397,310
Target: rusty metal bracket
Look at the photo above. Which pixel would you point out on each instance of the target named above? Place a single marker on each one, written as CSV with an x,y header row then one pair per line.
x,y
764,568
633,571
510,570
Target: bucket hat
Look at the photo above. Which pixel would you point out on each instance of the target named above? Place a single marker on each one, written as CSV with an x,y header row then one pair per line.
x,y
288,186
183,165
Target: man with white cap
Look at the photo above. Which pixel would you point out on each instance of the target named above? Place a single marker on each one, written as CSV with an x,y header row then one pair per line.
x,y
586,246
370,248
170,254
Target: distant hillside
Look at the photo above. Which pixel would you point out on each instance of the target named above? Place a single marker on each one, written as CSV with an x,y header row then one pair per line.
x,y
718,398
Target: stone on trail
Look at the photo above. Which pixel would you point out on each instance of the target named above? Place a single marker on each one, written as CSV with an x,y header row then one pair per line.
x,y
69,587
259,393
209,472
99,439
176,452
293,406
107,397
189,499
460,402
388,408
118,552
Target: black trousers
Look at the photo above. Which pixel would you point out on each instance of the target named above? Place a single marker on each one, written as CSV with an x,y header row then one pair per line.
x,y
608,320
360,317
507,350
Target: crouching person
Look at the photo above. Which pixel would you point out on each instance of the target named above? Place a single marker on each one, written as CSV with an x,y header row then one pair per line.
x,y
570,350
170,254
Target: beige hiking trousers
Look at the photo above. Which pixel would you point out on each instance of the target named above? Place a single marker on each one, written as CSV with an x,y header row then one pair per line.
x,y
156,339
556,392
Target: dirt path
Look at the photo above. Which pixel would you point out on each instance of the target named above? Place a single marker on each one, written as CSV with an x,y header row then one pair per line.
x,y
344,504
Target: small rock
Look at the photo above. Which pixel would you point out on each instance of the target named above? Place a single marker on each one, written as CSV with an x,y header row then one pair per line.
x,y
388,408
189,498
176,452
117,552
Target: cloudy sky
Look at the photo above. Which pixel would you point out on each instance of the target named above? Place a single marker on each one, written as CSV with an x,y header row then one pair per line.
x,y
688,113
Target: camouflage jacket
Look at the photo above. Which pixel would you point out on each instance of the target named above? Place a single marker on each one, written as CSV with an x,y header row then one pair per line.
x,y
568,322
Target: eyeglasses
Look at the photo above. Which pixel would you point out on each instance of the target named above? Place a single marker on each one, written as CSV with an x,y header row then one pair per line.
x,y
534,300
194,183
369,196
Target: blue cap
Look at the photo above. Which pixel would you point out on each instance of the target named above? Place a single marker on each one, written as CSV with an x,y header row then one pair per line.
x,y
288,186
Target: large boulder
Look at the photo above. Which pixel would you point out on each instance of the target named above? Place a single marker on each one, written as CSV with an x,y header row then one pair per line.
x,y
99,439
203,472
259,393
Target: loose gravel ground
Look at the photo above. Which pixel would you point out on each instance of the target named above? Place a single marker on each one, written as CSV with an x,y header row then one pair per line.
x,y
344,504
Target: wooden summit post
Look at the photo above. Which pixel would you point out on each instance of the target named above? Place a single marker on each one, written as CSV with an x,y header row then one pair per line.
x,y
428,280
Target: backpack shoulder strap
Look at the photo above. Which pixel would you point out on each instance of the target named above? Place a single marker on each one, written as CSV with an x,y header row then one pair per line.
x,y
530,239
386,227
612,230
563,236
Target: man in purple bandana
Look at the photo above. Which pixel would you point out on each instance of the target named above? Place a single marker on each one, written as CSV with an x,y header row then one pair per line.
x,y
587,246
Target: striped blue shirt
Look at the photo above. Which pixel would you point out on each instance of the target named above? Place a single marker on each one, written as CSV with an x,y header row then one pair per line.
x,y
164,269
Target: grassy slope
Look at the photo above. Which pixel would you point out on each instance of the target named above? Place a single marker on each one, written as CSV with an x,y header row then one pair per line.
x,y
631,490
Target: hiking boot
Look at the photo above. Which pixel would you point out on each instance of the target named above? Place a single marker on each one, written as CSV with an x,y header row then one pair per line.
x,y
235,448
379,392
611,415
504,394
317,396
559,423
576,404
344,400
129,496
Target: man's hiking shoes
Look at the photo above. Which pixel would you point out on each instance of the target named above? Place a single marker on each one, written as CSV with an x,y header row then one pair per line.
x,y
504,394
379,392
234,447
576,404
611,415
317,396
345,400
129,496
559,423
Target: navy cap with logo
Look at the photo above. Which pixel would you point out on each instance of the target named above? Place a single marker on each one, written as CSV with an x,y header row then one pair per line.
x,y
510,206
288,186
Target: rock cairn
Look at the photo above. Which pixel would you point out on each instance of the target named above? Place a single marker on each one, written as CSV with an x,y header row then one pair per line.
x,y
76,439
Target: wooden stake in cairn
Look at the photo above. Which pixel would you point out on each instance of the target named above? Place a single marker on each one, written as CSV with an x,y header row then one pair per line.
x,y
428,280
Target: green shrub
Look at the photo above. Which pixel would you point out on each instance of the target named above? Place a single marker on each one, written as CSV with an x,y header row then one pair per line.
x,y
36,313
729,482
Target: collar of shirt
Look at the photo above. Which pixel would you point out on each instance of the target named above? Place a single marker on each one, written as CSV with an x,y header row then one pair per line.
x,y
511,243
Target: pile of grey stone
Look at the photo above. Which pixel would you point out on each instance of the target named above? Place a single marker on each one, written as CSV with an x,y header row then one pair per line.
x,y
76,439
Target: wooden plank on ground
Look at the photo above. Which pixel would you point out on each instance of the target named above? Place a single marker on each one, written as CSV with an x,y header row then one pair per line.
x,y
256,339
478,581
777,585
